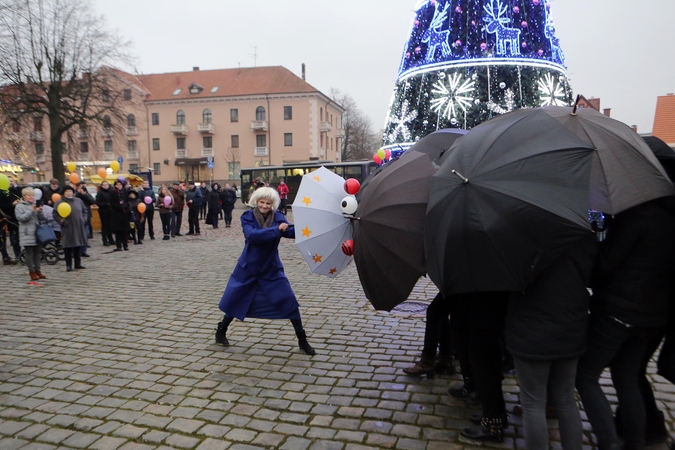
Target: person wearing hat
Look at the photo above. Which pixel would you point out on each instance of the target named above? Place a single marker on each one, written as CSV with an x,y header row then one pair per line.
x,y
194,201
119,215
73,234
178,206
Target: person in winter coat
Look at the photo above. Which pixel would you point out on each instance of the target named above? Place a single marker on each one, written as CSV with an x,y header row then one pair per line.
x,y
228,198
546,332
629,311
194,200
283,191
258,286
179,204
214,204
73,234
135,217
165,210
149,213
83,194
104,211
28,214
9,228
48,192
205,194
119,217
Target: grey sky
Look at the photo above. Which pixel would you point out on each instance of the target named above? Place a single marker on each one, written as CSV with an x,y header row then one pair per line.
x,y
618,50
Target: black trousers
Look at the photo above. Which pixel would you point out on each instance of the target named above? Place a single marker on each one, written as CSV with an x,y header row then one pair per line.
x,y
478,320
228,214
193,219
122,239
70,254
437,330
106,234
166,223
149,216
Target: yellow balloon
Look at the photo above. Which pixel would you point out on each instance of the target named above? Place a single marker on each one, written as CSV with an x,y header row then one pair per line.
x,y
115,166
381,153
64,209
71,167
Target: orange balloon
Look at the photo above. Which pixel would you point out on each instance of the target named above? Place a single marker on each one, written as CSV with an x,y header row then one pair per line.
x,y
56,197
102,173
141,208
74,178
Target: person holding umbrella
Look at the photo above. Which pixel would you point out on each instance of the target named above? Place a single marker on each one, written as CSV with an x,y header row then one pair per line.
x,y
258,287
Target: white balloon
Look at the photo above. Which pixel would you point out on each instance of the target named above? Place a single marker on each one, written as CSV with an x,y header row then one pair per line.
x,y
37,193
349,205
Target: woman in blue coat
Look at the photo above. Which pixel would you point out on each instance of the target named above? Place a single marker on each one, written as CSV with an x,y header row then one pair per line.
x,y
258,287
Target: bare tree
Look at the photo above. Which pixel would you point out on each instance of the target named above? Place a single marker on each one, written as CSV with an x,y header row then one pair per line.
x,y
55,62
359,142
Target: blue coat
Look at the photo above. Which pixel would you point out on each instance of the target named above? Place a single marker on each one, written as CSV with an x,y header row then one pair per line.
x,y
259,264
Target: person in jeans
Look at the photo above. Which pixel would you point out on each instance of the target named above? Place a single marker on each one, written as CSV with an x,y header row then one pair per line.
x,y
146,191
546,332
629,310
194,200
28,215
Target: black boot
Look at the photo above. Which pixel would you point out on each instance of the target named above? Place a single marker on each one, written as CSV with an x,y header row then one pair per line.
x,y
490,430
303,344
466,392
424,366
445,364
221,337
476,418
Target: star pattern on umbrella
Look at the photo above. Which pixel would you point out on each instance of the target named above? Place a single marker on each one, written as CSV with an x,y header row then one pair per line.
x,y
333,270
306,231
317,258
306,201
317,178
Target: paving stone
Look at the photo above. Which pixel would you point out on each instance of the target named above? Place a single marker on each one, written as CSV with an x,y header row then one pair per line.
x,y
81,440
213,444
10,428
54,435
129,431
294,443
181,441
185,425
155,436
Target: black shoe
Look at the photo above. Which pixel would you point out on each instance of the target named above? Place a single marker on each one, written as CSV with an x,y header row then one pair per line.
x,y
221,337
126,249
198,234
305,347
178,234
140,242
463,394
85,255
117,249
189,233
487,432
475,418
166,238
105,244
80,267
152,238
69,269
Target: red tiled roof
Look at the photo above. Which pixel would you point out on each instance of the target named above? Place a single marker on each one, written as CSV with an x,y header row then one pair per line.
x,y
664,119
230,82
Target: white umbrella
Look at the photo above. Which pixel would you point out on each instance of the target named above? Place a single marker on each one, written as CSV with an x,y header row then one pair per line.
x,y
320,228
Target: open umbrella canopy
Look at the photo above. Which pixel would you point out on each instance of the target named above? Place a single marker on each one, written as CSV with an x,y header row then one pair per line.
x,y
388,237
625,171
663,152
320,227
509,197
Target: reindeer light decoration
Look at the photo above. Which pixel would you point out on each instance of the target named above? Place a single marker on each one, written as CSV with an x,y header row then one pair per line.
x,y
434,36
505,37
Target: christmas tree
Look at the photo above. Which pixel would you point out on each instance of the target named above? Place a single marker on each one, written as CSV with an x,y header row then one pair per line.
x,y
469,60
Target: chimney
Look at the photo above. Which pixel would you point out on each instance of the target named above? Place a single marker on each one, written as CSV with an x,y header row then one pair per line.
x,y
606,111
303,71
195,68
634,127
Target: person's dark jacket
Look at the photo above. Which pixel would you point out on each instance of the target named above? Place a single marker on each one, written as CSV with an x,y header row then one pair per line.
x,y
194,194
213,201
178,199
119,217
88,200
47,194
635,267
103,199
148,193
549,321
7,210
228,198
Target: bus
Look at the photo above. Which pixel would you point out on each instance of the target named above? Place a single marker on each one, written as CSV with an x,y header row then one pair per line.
x,y
292,173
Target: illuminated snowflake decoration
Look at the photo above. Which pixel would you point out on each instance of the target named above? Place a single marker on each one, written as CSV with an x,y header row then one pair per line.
x,y
452,96
400,124
551,92
510,97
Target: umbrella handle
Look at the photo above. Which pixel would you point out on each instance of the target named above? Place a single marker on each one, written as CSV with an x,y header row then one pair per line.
x,y
464,179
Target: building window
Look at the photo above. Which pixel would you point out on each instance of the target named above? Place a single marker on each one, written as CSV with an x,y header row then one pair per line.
x,y
155,118
40,149
107,123
208,141
180,143
260,113
234,115
132,146
37,123
84,147
331,120
105,95
206,116
233,170
133,167
288,112
131,120
127,94
321,113
155,143
321,140
288,139
157,168
180,117
261,140
107,146
235,141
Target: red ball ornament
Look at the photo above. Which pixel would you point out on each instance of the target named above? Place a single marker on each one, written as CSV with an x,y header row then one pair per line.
x,y
377,159
352,186
348,247
387,154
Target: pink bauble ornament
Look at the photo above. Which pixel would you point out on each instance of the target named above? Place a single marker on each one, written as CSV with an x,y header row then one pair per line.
x,y
516,9
458,9
483,46
458,43
535,2
523,24
524,45
418,49
417,22
540,52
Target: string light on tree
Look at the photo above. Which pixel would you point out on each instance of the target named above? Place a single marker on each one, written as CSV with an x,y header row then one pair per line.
x,y
452,95
552,92
401,122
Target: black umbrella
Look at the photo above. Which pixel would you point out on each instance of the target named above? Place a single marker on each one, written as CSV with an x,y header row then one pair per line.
x,y
388,237
625,172
507,200
663,152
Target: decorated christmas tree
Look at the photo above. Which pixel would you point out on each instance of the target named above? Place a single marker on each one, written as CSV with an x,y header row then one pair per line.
x,y
469,60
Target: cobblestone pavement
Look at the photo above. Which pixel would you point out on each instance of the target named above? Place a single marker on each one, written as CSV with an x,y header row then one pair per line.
x,y
121,356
